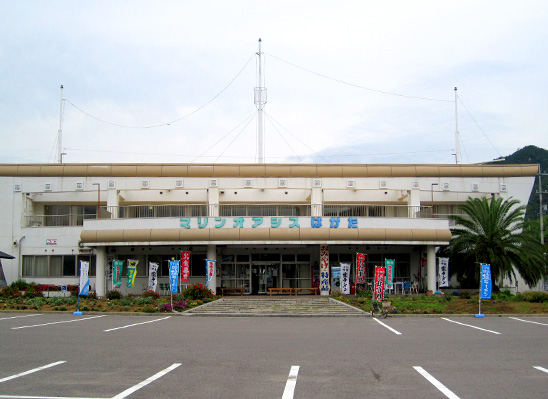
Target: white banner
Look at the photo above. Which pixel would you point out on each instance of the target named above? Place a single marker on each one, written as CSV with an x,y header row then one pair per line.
x,y
152,275
84,279
345,278
443,272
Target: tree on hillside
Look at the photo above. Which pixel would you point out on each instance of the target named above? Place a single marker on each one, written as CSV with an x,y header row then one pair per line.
x,y
491,231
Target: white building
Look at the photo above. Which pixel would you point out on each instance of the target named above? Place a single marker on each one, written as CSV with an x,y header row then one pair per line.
x,y
264,224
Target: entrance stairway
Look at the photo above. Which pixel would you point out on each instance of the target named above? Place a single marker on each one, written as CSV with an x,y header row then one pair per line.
x,y
276,306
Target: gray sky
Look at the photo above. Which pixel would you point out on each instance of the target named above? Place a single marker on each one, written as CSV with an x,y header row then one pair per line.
x,y
348,81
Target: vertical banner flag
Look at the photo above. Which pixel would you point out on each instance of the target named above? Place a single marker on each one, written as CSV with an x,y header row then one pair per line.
x,y
390,265
485,281
153,275
443,272
345,278
185,265
324,270
173,275
210,271
84,279
379,283
360,269
117,265
131,272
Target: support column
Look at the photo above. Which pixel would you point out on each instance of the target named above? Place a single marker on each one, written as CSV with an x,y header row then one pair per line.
x,y
212,255
324,270
431,268
113,203
100,265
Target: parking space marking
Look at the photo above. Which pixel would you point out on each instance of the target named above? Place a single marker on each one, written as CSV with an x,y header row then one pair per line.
x,y
541,368
11,377
390,328
527,321
140,385
468,325
57,322
289,390
16,317
443,389
43,397
136,324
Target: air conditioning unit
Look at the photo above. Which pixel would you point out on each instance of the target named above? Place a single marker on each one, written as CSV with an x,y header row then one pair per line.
x,y
282,183
179,183
383,184
17,187
415,185
48,186
248,183
145,183
213,183
79,185
445,186
503,188
475,187
316,183
111,184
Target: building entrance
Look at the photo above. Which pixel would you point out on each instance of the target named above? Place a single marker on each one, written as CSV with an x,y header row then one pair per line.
x,y
264,276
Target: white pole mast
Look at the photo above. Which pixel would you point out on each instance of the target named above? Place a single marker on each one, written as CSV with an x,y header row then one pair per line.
x,y
457,138
60,131
260,101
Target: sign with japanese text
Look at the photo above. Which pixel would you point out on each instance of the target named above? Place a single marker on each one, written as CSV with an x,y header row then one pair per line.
x,y
259,222
390,265
173,275
360,269
131,272
324,269
345,278
84,279
153,275
378,289
485,281
117,266
210,271
51,241
443,272
185,265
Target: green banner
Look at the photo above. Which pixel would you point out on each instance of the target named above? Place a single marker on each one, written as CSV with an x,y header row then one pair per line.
x,y
131,272
117,267
390,265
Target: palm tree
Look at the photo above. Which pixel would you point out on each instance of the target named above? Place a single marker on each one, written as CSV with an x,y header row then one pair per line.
x,y
491,231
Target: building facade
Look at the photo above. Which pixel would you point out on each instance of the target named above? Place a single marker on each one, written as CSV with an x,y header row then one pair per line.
x,y
265,225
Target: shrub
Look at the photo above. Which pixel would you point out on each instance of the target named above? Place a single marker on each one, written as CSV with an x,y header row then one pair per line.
x,y
20,285
197,291
166,307
151,294
114,294
180,305
92,295
149,309
10,292
464,295
533,296
144,301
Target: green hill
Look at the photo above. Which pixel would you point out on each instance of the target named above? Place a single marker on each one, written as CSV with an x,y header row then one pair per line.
x,y
528,155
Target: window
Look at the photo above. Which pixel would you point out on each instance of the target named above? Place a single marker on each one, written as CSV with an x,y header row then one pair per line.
x,y
56,265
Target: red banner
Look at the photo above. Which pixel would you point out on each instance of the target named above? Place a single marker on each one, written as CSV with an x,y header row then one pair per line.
x,y
185,265
379,283
360,269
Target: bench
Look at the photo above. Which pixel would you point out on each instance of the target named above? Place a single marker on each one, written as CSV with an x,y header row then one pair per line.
x,y
280,290
313,290
232,290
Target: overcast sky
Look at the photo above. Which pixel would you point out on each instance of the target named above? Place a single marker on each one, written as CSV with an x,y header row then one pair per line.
x,y
347,81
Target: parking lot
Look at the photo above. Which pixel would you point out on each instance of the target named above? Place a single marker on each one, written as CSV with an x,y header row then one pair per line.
x,y
169,356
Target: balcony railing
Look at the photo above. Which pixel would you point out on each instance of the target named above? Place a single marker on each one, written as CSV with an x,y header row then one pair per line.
x,y
235,210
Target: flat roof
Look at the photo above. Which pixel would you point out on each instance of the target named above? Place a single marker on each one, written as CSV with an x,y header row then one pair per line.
x,y
265,170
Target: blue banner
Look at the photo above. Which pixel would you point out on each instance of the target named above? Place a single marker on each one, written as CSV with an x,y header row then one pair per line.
x,y
485,281
84,279
173,275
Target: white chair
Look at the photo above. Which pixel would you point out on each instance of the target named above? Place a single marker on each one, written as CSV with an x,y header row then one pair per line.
x,y
414,288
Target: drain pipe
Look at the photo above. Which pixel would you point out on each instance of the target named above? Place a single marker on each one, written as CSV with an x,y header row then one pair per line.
x,y
20,261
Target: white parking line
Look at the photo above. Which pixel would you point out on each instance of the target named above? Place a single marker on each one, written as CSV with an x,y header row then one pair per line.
x,y
443,389
11,377
44,397
289,390
57,322
527,321
136,324
16,317
468,325
140,385
390,328
541,368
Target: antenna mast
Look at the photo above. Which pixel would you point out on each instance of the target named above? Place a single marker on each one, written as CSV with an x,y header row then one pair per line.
x,y
60,131
260,101
457,138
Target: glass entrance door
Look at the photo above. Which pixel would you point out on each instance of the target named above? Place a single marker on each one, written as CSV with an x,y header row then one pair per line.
x,y
264,276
